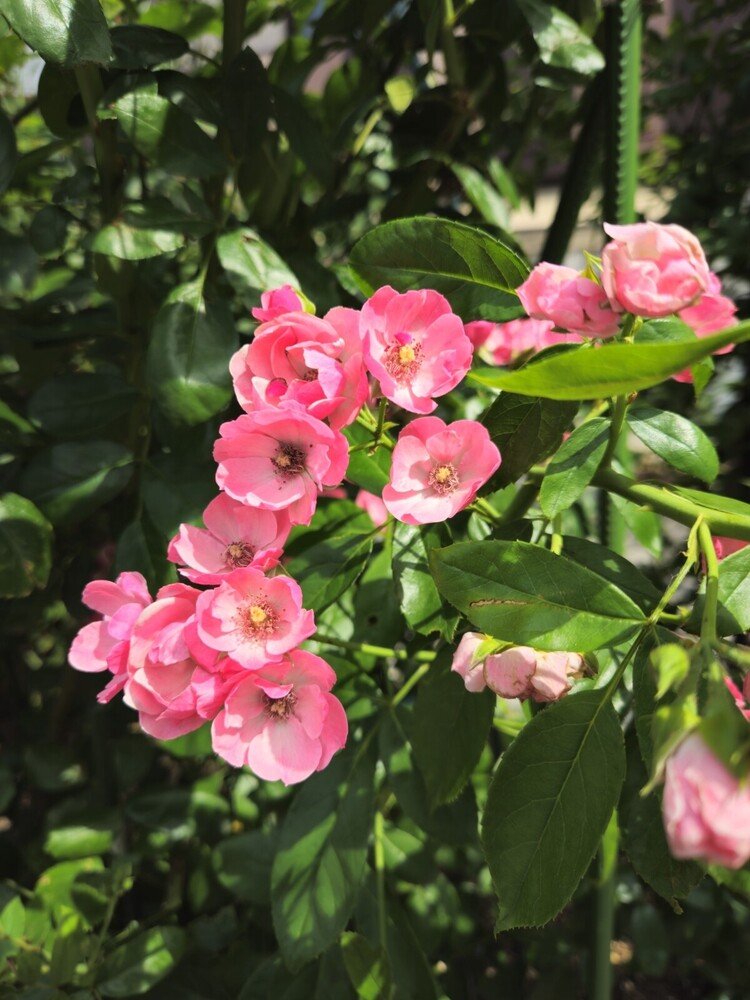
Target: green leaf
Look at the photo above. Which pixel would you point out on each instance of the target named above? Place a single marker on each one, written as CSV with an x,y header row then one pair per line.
x,y
134,968
734,596
247,103
70,32
370,472
675,439
140,46
166,136
321,857
69,481
326,556
475,272
243,866
367,968
400,91
178,814
614,369
613,567
524,594
643,840
526,430
483,195
8,151
419,598
80,405
305,135
449,731
148,229
176,490
574,466
188,356
549,804
251,264
562,43
25,547
643,523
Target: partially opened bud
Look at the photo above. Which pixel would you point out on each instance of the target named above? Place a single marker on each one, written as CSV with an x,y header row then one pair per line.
x,y
523,672
467,665
554,675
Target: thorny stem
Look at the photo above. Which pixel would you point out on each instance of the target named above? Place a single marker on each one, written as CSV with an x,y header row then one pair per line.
x,y
410,683
710,607
383,652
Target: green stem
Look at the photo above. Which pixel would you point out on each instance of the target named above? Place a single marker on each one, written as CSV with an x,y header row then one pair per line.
x,y
379,853
623,29
383,652
382,407
710,607
409,684
663,501
604,914
453,64
483,507
90,85
619,410
556,545
233,33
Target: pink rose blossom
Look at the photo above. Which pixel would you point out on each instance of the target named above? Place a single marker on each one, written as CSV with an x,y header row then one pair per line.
x,y
278,459
282,721
415,346
727,546
568,300
104,645
710,314
438,468
503,343
653,270
277,302
316,362
466,664
173,681
706,808
373,506
253,618
523,672
234,536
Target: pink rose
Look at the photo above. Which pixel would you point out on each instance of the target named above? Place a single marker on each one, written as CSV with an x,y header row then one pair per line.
x,y
104,645
710,314
438,468
568,300
316,362
706,808
234,536
373,506
653,270
523,672
414,346
466,664
173,680
253,618
278,459
282,721
277,302
503,343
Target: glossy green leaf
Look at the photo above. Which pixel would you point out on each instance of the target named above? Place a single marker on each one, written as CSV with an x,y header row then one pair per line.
x,y
321,856
368,471
137,966
166,136
149,229
243,865
8,152
562,43
251,264
25,546
524,594
549,803
611,370
483,195
326,556
734,596
574,466
140,46
475,272
615,568
188,355
449,731
644,524
526,430
70,32
69,481
420,601
80,405
675,439
400,91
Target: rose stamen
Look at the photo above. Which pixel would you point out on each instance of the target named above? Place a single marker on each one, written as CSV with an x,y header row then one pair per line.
x,y
443,479
402,361
280,708
238,554
289,460
257,620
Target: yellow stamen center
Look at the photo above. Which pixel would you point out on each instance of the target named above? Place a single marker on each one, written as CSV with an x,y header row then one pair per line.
x,y
406,354
443,473
256,614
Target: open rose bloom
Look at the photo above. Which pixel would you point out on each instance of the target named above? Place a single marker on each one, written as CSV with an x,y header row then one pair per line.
x,y
568,300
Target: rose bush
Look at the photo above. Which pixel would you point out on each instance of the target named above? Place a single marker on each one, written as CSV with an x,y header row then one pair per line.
x,y
419,600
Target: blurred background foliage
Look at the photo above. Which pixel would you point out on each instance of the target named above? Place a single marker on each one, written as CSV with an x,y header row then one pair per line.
x,y
146,205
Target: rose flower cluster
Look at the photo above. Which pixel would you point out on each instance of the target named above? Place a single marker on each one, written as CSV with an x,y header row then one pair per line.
x,y
225,647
